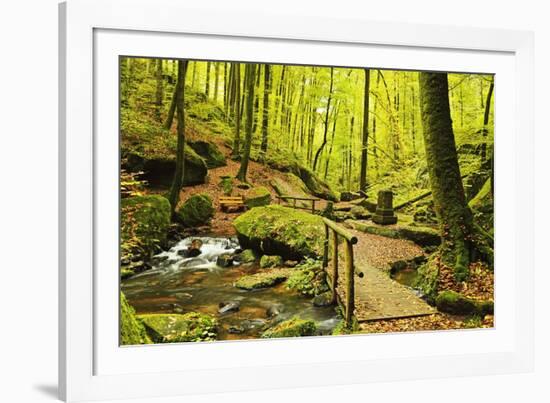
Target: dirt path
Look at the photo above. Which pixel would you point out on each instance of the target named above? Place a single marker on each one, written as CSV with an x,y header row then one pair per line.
x,y
377,295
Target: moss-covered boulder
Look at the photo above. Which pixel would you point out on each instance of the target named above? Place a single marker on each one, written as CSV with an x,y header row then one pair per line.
x,y
457,304
144,226
159,169
291,328
278,230
210,152
308,278
316,185
265,279
271,261
197,210
175,328
258,196
427,278
132,331
246,256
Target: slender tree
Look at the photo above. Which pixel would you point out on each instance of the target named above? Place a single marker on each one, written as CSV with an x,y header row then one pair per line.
x,y
250,79
207,84
216,80
179,174
159,94
365,138
265,118
324,143
486,115
237,108
448,193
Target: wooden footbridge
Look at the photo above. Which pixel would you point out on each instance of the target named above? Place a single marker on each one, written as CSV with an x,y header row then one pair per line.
x,y
364,292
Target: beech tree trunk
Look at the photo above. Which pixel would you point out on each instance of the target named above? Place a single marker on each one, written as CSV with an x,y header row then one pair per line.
x,y
250,75
365,139
448,193
159,93
324,143
237,108
180,148
265,118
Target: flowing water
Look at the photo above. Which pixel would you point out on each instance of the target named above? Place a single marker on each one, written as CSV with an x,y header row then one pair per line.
x,y
177,284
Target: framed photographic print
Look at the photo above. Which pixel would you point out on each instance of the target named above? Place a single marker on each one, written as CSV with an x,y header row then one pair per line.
x,y
312,206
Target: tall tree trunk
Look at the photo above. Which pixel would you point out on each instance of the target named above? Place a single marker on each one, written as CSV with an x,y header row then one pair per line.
x,y
180,149
207,85
365,139
216,80
450,205
485,131
324,143
159,93
172,110
265,119
241,175
194,76
331,139
237,109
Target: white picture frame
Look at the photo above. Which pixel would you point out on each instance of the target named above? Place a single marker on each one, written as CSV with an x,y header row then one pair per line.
x,y
91,364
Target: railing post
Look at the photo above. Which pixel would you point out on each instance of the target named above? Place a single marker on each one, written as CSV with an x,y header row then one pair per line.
x,y
325,248
313,207
334,267
350,283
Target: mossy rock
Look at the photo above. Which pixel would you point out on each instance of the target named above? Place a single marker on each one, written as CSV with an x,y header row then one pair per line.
x,y
197,210
427,278
144,227
175,328
457,304
278,230
258,196
132,331
210,152
291,328
316,185
423,236
268,278
246,256
271,261
308,278
159,170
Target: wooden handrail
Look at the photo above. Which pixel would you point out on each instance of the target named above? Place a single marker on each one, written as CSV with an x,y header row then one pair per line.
x,y
298,198
341,231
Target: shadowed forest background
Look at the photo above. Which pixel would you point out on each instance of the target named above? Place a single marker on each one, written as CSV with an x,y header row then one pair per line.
x,y
229,169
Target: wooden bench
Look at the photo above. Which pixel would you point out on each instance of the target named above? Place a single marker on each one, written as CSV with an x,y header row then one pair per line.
x,y
231,203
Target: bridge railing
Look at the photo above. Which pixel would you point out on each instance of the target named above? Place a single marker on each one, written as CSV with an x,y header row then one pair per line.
x,y
294,199
350,270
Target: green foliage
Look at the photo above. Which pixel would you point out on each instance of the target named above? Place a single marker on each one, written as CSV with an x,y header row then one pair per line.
x,y
144,226
196,210
227,185
271,261
175,328
132,331
291,328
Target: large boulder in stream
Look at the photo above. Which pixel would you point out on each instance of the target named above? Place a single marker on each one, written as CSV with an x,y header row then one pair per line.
x,y
132,331
197,210
264,279
291,328
176,328
278,230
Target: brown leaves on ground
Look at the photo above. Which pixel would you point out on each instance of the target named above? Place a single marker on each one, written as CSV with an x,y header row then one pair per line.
x,y
438,321
479,286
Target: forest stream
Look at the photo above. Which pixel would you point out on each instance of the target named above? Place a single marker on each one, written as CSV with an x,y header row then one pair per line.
x,y
178,284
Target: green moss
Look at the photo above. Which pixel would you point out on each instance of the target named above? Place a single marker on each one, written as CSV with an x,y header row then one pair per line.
x,y
308,278
271,261
427,278
172,328
144,226
278,230
132,331
423,236
268,278
210,152
291,328
226,184
455,303
481,198
342,329
258,196
196,210
247,256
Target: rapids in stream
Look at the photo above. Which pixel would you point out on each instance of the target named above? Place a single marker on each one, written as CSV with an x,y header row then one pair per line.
x,y
179,284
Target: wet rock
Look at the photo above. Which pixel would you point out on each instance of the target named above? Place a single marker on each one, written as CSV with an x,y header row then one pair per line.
x,y
194,262
322,300
246,256
195,248
274,310
236,329
225,260
271,261
174,328
268,278
226,307
156,260
360,213
291,328
291,263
